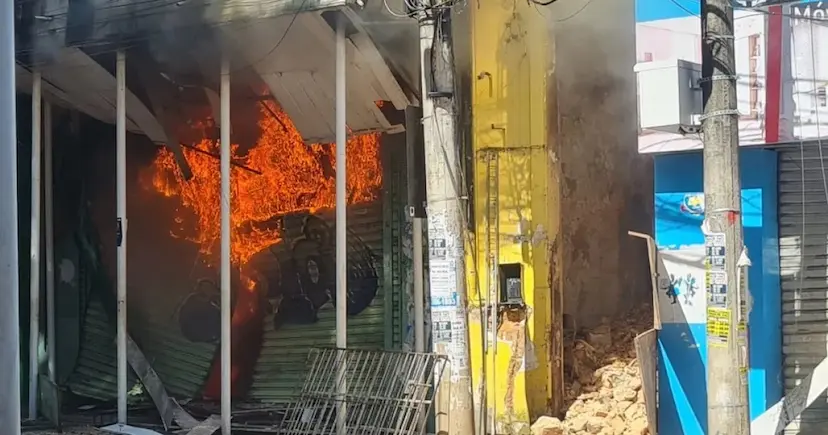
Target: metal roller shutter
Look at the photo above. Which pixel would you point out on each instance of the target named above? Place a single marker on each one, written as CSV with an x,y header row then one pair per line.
x,y
803,254
379,227
281,366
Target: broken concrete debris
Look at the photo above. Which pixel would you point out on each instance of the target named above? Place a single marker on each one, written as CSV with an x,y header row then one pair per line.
x,y
548,426
603,387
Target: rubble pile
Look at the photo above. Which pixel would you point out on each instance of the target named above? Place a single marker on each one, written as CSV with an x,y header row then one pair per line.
x,y
603,391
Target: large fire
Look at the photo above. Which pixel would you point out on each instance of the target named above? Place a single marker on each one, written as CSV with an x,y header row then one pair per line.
x,y
280,174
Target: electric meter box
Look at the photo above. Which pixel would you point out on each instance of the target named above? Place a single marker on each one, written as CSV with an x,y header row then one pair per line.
x,y
669,95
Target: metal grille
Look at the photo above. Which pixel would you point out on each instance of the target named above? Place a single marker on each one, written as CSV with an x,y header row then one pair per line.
x,y
803,257
282,364
381,393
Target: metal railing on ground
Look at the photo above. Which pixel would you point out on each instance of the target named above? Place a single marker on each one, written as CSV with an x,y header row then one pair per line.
x,y
369,392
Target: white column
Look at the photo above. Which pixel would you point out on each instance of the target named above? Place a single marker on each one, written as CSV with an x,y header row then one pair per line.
x,y
9,275
48,208
121,212
341,217
34,270
225,247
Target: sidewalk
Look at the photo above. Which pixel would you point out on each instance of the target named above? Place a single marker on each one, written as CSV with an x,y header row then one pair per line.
x,y
72,431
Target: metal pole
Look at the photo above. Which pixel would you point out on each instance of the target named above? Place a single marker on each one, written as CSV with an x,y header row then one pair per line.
x,y
34,246
445,219
50,238
225,248
419,297
727,407
121,211
9,272
341,222
413,140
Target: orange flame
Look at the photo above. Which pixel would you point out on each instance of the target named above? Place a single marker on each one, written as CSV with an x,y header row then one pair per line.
x,y
292,176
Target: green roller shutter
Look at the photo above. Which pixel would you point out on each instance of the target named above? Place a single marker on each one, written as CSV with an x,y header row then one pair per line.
x,y
281,366
379,227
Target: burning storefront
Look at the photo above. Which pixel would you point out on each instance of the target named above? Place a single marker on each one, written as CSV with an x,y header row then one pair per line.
x,y
283,256
281,218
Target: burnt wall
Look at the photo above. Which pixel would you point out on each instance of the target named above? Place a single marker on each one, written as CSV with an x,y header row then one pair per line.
x,y
605,185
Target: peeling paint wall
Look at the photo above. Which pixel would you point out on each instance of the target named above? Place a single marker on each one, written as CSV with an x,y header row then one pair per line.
x,y
605,186
553,103
510,209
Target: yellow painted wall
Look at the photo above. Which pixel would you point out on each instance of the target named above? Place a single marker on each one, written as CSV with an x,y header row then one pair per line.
x,y
509,112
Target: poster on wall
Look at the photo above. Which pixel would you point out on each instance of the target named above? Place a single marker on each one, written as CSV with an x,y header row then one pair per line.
x,y
781,63
681,245
681,297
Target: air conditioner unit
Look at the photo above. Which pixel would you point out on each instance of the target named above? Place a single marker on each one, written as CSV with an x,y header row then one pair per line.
x,y
669,95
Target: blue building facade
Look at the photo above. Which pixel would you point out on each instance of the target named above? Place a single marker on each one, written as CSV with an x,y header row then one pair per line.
x,y
679,203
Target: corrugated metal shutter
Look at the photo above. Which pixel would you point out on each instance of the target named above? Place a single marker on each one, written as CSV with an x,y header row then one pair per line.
x,y
380,226
803,254
280,370
397,253
182,365
95,373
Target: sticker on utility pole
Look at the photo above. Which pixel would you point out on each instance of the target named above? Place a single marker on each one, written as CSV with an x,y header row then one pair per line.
x,y
716,289
441,321
443,280
715,273
718,327
437,249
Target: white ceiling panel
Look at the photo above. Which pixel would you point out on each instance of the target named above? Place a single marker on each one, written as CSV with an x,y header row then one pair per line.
x,y
77,81
295,57
298,65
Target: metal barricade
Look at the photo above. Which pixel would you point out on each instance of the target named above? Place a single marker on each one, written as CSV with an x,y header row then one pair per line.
x,y
377,392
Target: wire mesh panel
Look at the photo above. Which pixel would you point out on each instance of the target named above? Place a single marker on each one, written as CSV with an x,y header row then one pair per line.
x,y
374,393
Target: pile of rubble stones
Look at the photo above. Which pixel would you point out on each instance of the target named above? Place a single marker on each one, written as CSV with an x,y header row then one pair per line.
x,y
603,391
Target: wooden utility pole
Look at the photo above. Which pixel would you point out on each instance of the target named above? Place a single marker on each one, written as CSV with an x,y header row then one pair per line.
x,y
727,405
450,330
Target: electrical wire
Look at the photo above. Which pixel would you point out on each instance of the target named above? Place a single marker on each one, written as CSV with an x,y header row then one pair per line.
x,y
816,112
127,43
682,7
543,3
798,291
130,42
803,206
418,8
566,18
395,13
281,39
574,14
757,10
156,9
457,176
